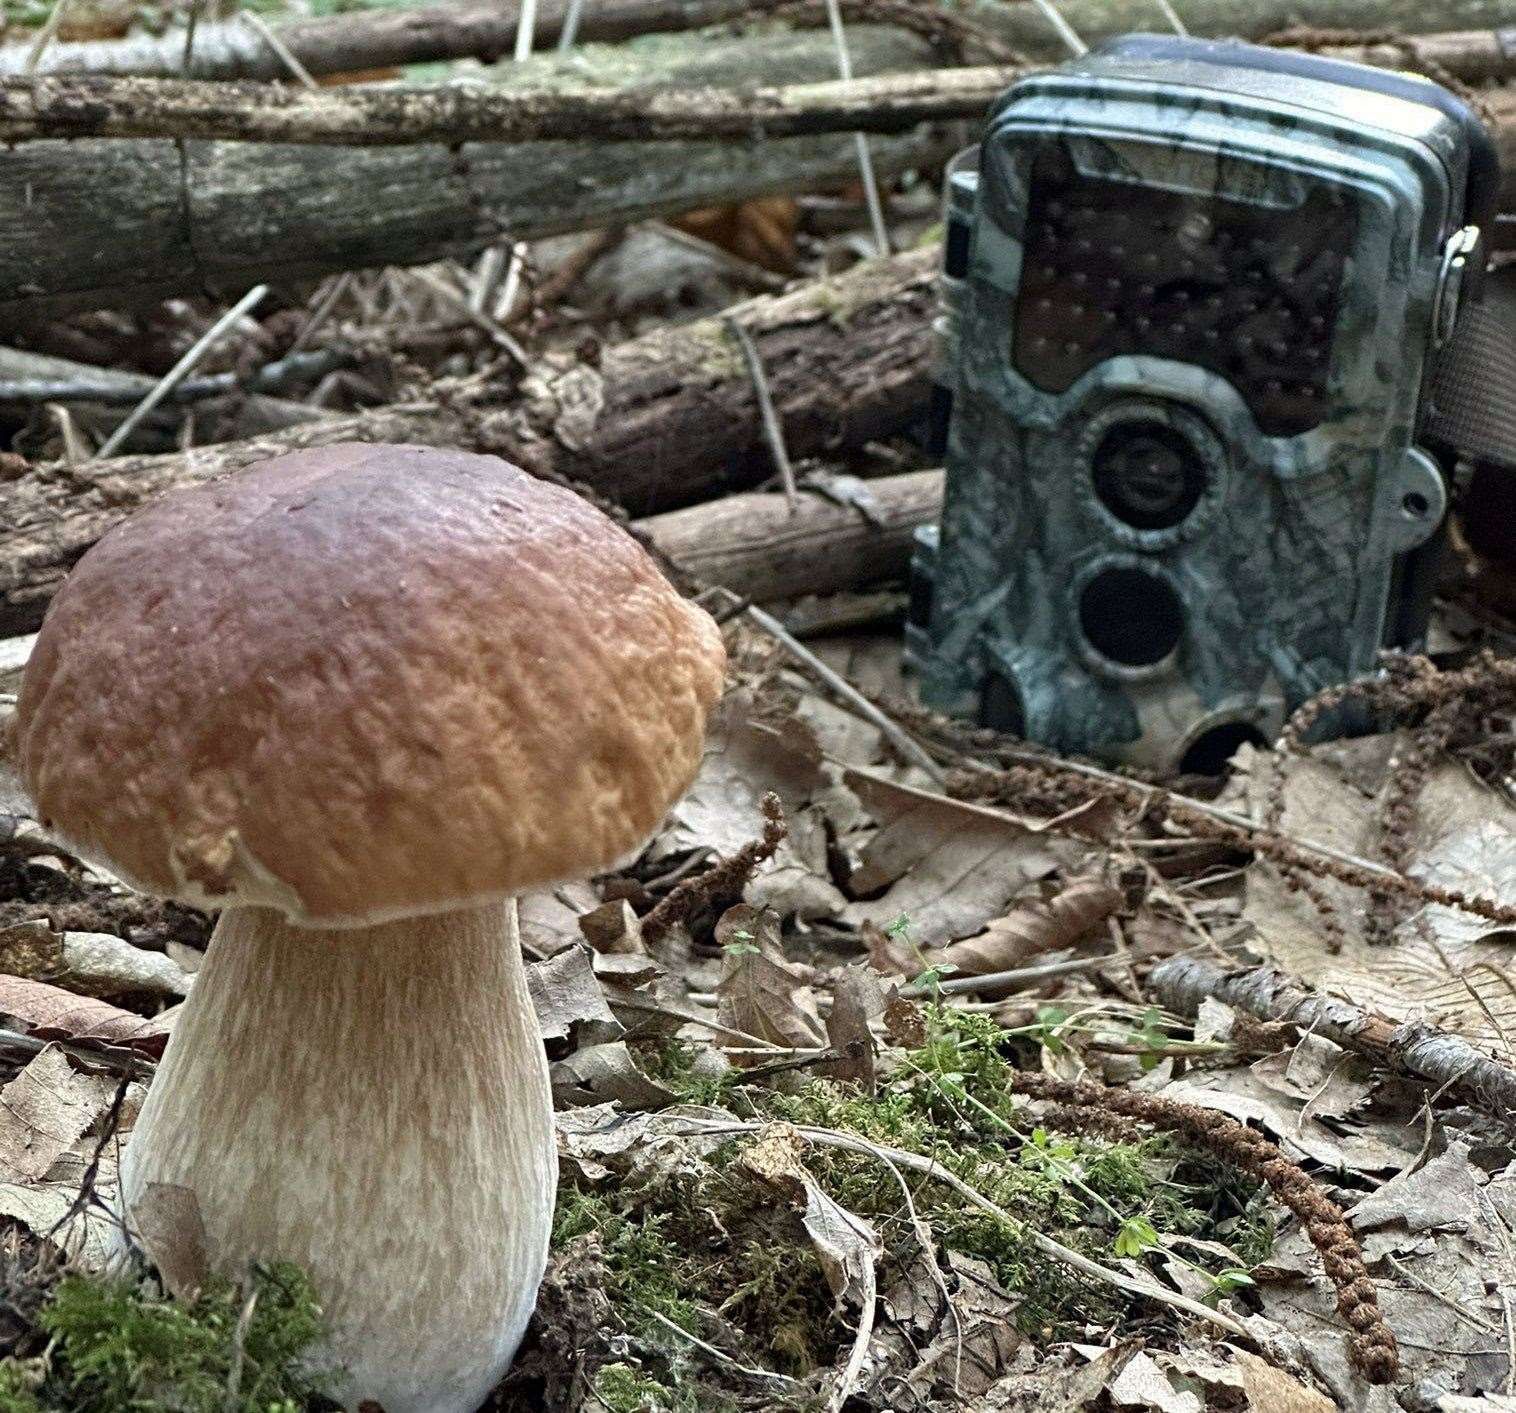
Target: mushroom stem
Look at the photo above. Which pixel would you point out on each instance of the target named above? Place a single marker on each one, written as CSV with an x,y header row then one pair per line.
x,y
373,1105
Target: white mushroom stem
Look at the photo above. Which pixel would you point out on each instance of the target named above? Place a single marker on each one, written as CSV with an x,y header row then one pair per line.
x,y
372,1104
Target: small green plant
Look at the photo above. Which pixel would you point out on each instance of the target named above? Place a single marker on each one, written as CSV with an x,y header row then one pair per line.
x,y
118,1346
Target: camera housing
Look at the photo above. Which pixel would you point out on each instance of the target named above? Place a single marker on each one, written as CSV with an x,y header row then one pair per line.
x,y
1193,292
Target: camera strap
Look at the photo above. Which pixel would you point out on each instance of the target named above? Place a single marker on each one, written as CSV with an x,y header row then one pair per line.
x,y
1471,409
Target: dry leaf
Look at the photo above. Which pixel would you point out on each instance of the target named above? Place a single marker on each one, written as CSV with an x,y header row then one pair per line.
x,y
856,998
845,1244
949,867
613,928
745,757
1443,966
45,1208
549,917
166,1220
43,1111
1035,926
1271,1390
571,1006
760,992
1142,1384
601,1074
54,1014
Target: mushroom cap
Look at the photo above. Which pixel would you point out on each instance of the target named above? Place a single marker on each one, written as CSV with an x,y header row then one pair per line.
x,y
364,682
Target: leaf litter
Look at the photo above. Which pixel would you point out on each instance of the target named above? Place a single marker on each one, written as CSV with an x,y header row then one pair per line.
x,y
805,1161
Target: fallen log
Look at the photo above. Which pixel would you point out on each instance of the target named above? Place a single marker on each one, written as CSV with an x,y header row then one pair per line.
x,y
661,421
760,546
1414,1048
390,38
223,216
1476,56
356,116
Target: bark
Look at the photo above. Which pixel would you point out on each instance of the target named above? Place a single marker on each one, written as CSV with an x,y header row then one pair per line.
x,y
1415,1048
664,420
384,39
760,547
359,116
191,216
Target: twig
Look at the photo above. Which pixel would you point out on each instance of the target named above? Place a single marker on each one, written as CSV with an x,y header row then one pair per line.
x,y
116,389
1018,976
322,312
1063,28
184,367
501,336
239,1351
902,741
569,35
1172,16
279,47
865,159
773,433
45,36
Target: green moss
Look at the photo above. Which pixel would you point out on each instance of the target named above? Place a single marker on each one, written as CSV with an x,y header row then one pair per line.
x,y
120,1347
623,1390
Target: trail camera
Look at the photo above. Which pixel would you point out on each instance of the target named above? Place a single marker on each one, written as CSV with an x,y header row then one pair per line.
x,y
1194,297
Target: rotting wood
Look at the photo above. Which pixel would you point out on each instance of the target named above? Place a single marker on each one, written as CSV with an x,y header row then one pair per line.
x,y
660,421
81,106
1415,1048
389,38
189,216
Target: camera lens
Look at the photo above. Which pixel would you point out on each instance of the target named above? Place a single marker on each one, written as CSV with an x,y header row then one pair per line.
x,y
1130,616
1148,475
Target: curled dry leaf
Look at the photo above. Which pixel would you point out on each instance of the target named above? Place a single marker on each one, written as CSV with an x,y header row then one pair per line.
x,y
43,1112
571,1007
1035,925
761,993
50,1013
613,929
856,998
847,1247
601,1074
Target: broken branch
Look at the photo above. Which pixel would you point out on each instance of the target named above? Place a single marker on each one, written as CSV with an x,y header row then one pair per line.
x,y
69,106
1415,1048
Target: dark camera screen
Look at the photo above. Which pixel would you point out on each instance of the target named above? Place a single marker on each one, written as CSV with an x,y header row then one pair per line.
x,y
1250,292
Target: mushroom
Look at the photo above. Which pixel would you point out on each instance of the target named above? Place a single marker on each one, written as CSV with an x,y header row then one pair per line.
x,y
358,698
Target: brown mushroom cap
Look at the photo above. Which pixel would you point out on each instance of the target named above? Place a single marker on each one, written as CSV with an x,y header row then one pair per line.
x,y
364,682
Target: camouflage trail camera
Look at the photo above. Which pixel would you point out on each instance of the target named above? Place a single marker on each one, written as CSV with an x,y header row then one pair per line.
x,y
1194,296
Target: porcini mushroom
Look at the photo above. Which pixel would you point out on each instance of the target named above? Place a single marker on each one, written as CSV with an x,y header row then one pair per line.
x,y
358,698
